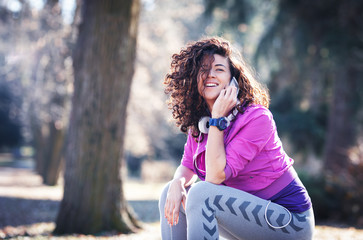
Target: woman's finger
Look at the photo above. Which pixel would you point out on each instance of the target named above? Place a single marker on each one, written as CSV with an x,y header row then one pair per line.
x,y
223,92
175,216
231,91
169,212
184,200
166,211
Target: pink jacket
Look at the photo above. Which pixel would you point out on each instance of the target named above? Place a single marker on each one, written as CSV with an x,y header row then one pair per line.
x,y
254,153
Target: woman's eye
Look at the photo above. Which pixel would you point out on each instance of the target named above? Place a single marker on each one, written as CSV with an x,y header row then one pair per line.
x,y
219,69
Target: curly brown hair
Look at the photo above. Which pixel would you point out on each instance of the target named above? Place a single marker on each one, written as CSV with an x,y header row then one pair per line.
x,y
187,105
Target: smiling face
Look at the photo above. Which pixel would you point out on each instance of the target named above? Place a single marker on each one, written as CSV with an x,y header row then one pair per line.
x,y
213,77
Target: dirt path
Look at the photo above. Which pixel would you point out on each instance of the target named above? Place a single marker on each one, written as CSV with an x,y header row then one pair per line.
x,y
28,210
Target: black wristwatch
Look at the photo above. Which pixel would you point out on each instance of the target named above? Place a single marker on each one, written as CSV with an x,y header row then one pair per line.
x,y
221,123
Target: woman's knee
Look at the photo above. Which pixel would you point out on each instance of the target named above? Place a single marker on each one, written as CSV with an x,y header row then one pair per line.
x,y
197,194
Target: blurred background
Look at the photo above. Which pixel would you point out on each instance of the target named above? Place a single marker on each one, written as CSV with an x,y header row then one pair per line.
x,y
309,54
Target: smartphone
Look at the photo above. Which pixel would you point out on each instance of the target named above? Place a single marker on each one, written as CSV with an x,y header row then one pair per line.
x,y
234,82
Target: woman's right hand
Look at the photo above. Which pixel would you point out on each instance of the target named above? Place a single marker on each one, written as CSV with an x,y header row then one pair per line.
x,y
176,196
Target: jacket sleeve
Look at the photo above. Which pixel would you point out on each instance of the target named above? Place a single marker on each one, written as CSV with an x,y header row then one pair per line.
x,y
187,159
250,135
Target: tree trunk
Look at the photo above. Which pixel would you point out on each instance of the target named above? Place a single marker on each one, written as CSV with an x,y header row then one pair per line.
x,y
48,140
342,129
54,151
104,57
47,132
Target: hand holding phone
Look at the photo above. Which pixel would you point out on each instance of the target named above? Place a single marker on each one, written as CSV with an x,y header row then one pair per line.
x,y
226,100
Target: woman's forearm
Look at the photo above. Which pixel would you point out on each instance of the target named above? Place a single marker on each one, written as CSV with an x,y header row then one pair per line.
x,y
215,152
215,158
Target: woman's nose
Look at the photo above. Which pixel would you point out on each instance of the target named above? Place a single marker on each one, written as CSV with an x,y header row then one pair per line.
x,y
211,73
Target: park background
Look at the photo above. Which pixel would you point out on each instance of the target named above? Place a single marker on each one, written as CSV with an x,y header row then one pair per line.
x,y
309,54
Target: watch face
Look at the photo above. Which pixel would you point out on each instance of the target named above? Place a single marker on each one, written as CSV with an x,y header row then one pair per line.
x,y
223,124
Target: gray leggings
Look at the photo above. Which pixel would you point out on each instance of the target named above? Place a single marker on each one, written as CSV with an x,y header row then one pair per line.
x,y
216,210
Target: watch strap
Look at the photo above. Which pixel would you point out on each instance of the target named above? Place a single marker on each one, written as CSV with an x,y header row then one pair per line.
x,y
213,122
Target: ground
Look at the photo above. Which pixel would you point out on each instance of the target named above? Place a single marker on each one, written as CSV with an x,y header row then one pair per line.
x,y
28,209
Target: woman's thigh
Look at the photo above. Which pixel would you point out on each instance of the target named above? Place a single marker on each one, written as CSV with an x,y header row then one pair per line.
x,y
242,215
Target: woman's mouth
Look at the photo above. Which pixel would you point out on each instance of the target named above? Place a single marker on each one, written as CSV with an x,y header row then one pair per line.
x,y
211,84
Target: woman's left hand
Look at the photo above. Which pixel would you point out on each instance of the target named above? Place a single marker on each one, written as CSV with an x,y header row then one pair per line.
x,y
226,100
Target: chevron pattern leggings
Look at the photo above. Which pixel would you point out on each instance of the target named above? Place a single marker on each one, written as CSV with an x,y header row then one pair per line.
x,y
215,210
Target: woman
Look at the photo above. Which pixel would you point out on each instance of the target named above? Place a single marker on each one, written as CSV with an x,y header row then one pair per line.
x,y
249,189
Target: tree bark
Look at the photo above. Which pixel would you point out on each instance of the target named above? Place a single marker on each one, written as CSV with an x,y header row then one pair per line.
x,y
342,128
104,57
